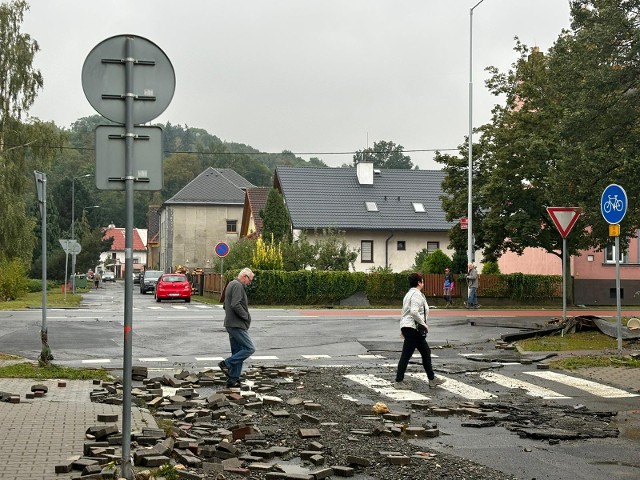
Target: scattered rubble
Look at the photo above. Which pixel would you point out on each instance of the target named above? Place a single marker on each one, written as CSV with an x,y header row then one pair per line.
x,y
290,424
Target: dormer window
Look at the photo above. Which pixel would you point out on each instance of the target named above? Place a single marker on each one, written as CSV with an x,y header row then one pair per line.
x,y
418,207
371,206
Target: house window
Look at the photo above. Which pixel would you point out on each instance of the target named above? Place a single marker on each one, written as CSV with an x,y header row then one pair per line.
x,y
418,207
432,246
371,206
402,245
232,226
366,251
609,255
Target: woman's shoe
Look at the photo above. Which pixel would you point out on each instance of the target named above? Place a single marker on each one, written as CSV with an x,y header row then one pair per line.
x,y
435,382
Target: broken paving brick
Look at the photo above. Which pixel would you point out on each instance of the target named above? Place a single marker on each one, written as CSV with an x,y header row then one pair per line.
x,y
105,417
360,461
309,433
398,460
341,471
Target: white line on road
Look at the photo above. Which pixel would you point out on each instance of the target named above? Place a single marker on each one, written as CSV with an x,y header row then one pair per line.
x,y
385,387
315,357
99,360
208,359
369,356
588,386
265,357
530,389
153,359
457,388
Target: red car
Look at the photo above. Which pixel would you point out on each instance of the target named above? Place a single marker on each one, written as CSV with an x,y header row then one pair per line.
x,y
173,286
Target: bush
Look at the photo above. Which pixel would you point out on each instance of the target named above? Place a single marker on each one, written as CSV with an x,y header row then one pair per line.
x,y
13,280
436,262
34,285
490,268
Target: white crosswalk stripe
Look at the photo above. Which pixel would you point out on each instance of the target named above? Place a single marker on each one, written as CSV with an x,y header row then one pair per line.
x,y
457,388
385,387
588,386
530,389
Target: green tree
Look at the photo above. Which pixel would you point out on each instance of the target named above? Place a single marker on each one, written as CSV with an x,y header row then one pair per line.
x,y
384,155
19,84
436,262
567,129
299,254
276,223
490,268
333,253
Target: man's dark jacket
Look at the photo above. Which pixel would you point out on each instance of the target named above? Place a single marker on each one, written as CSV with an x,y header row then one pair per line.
x,y
236,306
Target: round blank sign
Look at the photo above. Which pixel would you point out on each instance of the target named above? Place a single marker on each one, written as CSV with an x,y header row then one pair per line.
x,y
104,78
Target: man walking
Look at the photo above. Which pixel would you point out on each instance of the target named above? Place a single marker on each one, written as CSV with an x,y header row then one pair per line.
x,y
237,320
472,283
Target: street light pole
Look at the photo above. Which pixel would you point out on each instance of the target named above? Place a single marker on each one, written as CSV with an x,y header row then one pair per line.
x,y
73,228
470,249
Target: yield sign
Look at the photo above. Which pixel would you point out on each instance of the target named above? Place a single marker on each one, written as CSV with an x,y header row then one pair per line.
x,y
564,218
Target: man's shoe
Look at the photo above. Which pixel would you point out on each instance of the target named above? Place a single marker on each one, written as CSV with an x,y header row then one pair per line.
x,y
236,384
435,382
224,368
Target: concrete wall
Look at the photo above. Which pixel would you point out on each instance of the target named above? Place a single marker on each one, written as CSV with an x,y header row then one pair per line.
x,y
385,247
189,233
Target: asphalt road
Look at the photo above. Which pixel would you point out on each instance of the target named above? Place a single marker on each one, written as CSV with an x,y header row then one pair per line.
x,y
173,335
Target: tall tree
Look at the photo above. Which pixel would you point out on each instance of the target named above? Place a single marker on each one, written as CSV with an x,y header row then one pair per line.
x,y
19,84
567,129
275,218
384,155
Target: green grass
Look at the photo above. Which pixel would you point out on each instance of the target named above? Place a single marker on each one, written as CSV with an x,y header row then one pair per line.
x,y
34,300
591,361
30,370
590,340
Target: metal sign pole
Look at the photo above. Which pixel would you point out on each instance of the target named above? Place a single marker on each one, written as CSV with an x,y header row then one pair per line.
x,y
127,467
618,301
564,279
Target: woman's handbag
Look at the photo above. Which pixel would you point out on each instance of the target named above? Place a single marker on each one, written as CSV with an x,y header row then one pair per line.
x,y
421,329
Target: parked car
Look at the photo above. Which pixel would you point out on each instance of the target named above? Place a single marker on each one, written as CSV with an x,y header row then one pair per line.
x,y
136,277
148,280
108,276
172,286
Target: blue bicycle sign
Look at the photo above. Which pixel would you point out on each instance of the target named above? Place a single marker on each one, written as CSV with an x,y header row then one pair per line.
x,y
613,204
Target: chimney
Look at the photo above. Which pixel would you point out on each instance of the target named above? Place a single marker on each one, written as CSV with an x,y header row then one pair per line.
x,y
365,173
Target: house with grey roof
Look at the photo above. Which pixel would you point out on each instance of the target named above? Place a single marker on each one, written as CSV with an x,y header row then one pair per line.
x,y
386,215
208,210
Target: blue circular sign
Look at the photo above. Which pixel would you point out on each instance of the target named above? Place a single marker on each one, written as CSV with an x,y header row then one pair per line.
x,y
613,204
222,249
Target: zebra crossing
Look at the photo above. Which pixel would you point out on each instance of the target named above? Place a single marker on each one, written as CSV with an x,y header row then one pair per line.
x,y
472,386
179,306
468,392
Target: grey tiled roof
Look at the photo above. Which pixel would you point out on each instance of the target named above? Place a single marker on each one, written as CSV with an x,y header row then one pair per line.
x,y
333,198
213,186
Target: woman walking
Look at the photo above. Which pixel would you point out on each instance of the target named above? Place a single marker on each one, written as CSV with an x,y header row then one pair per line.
x,y
413,325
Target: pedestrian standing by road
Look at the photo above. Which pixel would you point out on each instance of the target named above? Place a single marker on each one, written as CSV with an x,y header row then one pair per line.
x,y
448,286
96,279
237,320
413,325
472,283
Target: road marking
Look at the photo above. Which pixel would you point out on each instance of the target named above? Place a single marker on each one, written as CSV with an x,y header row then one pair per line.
x,y
370,356
292,316
417,355
99,360
265,357
530,389
153,359
588,386
179,307
203,306
456,387
385,387
208,359
155,308
315,357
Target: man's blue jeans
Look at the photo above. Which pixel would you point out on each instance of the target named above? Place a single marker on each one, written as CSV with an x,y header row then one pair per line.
x,y
241,348
473,296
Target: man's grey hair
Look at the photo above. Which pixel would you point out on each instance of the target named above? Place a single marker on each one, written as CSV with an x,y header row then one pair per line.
x,y
246,271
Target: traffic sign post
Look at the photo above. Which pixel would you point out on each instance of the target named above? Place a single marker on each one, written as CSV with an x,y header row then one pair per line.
x,y
222,250
613,205
129,80
564,218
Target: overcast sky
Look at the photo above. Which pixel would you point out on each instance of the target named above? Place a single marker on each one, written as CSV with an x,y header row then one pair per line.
x,y
309,76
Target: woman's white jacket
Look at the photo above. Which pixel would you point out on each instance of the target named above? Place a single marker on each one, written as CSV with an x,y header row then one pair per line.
x,y
415,309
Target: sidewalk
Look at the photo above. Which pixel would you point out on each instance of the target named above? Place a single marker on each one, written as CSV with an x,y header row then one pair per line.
x,y
40,433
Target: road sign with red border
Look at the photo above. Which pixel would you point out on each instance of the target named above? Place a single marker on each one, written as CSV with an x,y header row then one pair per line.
x,y
564,218
222,249
464,223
